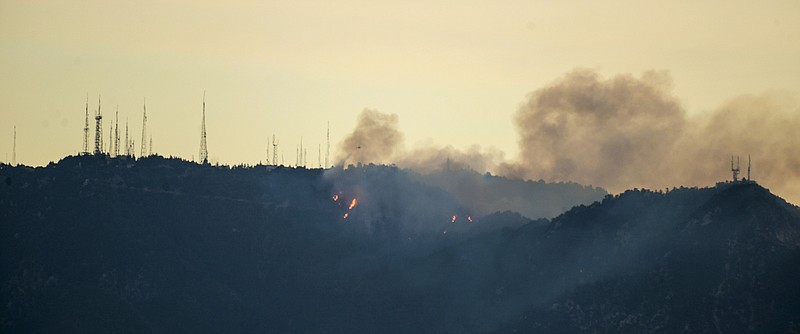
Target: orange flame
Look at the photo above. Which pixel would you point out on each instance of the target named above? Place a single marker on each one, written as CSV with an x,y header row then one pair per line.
x,y
469,219
353,204
453,220
335,197
346,215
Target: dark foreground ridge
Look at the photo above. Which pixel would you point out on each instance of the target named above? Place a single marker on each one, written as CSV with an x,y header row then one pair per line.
x,y
93,244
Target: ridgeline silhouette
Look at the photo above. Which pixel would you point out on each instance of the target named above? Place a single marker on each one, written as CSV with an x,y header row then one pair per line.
x,y
98,244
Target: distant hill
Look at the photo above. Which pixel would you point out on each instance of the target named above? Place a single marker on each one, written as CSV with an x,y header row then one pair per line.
x,y
93,244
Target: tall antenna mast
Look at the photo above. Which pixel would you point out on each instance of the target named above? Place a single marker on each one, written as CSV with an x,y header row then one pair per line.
x,y
127,139
98,129
748,167
116,133
14,149
274,150
319,155
86,128
328,149
143,151
151,146
735,170
110,145
268,150
203,145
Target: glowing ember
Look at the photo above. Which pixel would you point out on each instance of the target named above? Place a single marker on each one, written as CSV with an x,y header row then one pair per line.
x,y
469,219
453,220
335,197
346,215
353,204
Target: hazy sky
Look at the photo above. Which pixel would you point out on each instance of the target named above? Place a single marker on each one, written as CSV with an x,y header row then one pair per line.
x,y
455,72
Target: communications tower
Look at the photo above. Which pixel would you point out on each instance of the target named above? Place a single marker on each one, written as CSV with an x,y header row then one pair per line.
x,y
143,151
98,130
203,145
86,128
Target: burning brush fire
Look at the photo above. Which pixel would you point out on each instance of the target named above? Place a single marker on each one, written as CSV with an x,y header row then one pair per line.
x,y
455,217
339,199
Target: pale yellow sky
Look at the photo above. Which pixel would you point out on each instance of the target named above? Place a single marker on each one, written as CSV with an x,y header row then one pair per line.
x,y
454,71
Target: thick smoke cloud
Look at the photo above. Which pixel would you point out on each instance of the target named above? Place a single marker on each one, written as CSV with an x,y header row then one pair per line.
x,y
627,132
610,133
375,139
617,133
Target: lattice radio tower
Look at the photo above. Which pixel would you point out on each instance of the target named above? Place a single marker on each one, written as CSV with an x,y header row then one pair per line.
x,y
116,133
748,167
127,139
98,130
274,150
110,144
203,145
143,151
735,170
86,128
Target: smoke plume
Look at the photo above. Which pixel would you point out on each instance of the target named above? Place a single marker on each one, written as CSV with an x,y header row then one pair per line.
x,y
617,133
627,132
375,139
611,133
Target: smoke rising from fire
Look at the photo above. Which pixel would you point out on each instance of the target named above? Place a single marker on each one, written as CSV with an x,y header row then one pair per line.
x,y
618,133
375,139
627,132
610,133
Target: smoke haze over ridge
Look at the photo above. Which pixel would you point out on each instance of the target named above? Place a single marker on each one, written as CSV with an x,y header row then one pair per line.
x,y
618,133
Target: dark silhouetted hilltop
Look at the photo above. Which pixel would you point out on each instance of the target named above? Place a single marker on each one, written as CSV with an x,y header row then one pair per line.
x,y
161,245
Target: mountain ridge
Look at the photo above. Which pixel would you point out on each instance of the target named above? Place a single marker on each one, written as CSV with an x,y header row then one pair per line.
x,y
92,244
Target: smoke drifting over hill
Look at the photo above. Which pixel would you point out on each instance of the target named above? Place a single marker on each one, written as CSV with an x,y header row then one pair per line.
x,y
617,133
590,131
377,139
626,132
765,126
